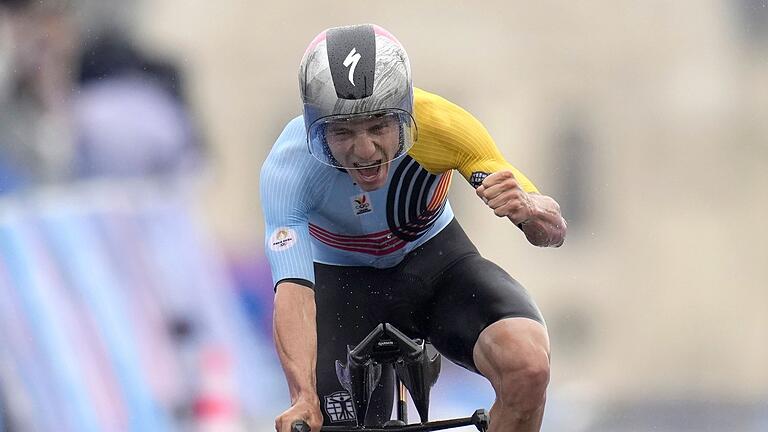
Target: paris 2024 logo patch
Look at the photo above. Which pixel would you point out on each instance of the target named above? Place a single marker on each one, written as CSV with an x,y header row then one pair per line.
x,y
282,238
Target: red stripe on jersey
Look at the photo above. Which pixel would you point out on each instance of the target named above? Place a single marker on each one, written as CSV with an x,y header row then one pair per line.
x,y
336,241
372,236
393,245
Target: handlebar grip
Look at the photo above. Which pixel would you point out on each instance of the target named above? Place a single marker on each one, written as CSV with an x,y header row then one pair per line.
x,y
300,426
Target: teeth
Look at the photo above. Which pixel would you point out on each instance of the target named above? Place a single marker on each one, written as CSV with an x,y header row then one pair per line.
x,y
370,165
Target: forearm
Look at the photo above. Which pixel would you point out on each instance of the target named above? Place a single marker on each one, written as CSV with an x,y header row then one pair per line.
x,y
545,227
295,334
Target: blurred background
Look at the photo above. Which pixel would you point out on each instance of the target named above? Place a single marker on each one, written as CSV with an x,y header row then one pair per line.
x,y
133,290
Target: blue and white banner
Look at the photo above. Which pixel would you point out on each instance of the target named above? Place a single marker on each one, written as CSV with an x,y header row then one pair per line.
x,y
118,313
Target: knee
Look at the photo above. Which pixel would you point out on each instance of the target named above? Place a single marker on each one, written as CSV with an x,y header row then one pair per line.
x,y
524,377
514,356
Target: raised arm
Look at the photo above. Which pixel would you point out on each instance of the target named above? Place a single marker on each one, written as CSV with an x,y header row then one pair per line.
x,y
461,142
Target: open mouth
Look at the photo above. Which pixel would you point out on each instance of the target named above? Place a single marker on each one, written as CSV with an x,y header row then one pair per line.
x,y
368,171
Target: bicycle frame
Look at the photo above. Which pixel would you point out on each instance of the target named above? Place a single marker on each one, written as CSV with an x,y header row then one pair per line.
x,y
417,366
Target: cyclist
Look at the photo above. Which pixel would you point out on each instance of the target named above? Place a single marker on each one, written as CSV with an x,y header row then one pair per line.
x,y
359,231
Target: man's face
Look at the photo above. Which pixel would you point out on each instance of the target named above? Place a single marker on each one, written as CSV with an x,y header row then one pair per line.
x,y
366,146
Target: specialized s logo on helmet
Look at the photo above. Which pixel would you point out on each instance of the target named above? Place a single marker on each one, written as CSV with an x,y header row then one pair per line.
x,y
352,58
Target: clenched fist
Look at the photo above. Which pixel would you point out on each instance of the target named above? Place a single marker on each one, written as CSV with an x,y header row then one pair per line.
x,y
503,194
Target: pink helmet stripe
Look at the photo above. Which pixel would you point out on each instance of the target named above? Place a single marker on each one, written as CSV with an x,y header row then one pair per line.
x,y
319,38
383,32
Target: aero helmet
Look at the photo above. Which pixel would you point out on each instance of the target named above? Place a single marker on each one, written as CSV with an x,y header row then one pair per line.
x,y
355,72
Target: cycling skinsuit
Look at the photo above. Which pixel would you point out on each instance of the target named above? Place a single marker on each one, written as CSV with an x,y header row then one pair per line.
x,y
395,254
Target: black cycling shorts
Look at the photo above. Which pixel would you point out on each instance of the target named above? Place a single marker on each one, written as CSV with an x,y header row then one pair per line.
x,y
443,291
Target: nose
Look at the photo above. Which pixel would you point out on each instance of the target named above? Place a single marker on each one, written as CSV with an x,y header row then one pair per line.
x,y
364,147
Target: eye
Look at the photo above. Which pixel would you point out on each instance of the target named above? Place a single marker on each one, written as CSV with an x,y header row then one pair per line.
x,y
379,128
339,132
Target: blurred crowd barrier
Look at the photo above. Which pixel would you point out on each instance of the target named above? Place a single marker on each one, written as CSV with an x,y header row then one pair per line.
x,y
117,312
118,309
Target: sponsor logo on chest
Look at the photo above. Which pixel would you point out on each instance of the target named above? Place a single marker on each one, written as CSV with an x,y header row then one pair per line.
x,y
361,204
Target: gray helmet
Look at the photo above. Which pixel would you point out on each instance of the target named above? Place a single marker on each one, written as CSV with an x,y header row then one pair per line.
x,y
351,72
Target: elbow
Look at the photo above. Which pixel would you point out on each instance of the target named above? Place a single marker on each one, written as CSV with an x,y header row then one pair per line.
x,y
560,231
552,235
558,227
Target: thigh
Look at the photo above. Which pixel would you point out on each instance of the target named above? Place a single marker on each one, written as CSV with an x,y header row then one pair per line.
x,y
471,295
352,301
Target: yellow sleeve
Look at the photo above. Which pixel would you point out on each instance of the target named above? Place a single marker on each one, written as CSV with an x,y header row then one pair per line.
x,y
451,138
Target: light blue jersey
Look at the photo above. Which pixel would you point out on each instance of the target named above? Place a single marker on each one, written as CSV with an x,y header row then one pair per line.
x,y
316,213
